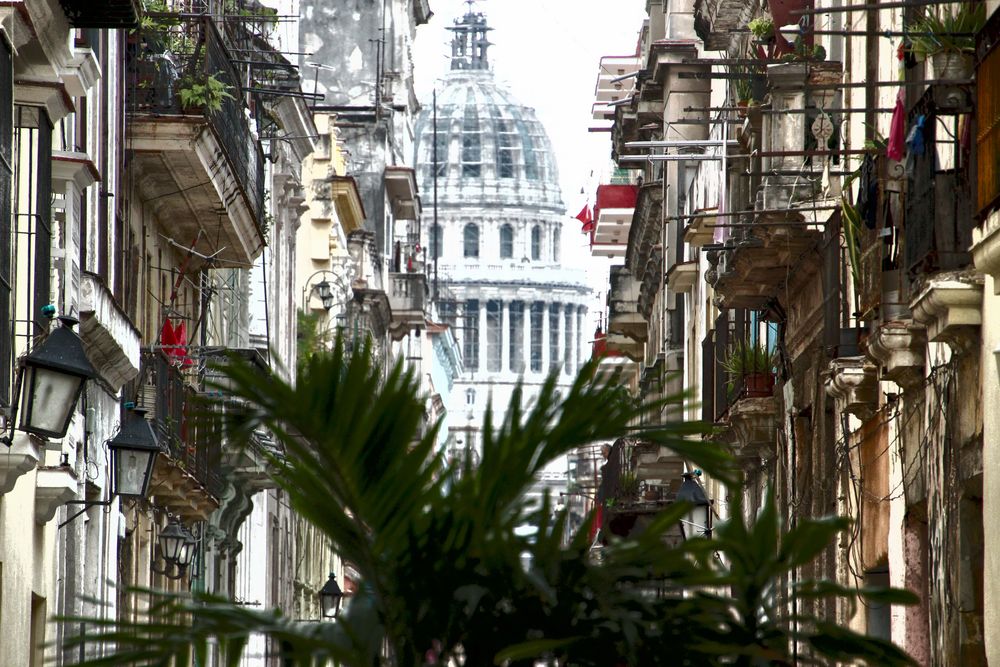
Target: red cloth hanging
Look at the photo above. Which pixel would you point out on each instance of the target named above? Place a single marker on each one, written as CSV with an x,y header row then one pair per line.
x,y
168,338
180,340
897,130
585,217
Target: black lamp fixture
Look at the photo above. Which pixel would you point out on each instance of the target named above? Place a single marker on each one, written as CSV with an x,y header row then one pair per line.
x,y
52,379
176,546
133,454
697,520
330,597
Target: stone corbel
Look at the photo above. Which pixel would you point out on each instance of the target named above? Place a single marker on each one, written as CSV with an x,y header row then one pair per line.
x,y
950,306
23,455
753,427
986,248
899,348
54,485
42,92
853,383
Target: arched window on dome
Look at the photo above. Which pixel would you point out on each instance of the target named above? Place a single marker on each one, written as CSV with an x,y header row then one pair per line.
x,y
472,148
506,242
536,243
470,240
556,240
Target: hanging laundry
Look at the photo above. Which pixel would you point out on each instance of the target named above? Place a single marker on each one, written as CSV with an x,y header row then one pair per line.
x,y
915,139
897,130
168,338
867,201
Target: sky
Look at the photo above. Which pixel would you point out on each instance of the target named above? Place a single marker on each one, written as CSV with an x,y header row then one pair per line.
x,y
547,52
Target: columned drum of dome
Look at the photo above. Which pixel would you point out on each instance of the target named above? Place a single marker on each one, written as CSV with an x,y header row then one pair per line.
x,y
516,311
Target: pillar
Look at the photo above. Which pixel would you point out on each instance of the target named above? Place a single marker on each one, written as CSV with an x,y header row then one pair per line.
x,y
568,338
482,336
546,361
504,336
526,336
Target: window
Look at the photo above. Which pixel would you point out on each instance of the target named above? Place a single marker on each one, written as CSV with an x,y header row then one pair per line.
x,y
506,242
555,310
32,161
471,240
536,243
537,313
472,149
439,148
506,149
470,396
6,174
556,240
437,241
494,314
516,336
470,336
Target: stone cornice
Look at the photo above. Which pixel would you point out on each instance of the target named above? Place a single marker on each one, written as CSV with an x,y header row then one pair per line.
x,y
853,384
899,347
950,306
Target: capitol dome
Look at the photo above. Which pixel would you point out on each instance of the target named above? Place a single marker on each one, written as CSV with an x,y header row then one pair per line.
x,y
489,146
495,238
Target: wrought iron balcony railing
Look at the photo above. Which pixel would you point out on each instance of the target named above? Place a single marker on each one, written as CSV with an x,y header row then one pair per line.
x,y
180,65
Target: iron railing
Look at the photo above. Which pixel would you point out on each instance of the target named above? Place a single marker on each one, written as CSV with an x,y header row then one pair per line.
x,y
619,483
938,220
180,51
184,426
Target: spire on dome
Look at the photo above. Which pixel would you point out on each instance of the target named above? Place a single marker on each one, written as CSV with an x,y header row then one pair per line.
x,y
469,44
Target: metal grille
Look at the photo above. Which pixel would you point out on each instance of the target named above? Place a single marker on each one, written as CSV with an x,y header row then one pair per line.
x,y
6,172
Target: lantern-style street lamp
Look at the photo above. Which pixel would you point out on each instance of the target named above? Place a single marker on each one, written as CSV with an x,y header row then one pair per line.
x,y
697,520
176,546
330,597
53,375
133,454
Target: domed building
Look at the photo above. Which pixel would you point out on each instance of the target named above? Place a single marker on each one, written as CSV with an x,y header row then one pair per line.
x,y
495,243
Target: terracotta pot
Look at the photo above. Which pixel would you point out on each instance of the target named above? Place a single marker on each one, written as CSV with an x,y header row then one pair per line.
x,y
759,385
741,110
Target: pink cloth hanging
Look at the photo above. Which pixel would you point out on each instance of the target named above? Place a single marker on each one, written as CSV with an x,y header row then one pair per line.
x,y
897,130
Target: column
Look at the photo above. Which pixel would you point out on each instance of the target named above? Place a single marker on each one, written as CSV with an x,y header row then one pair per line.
x,y
526,336
505,336
568,336
556,350
482,335
545,338
580,350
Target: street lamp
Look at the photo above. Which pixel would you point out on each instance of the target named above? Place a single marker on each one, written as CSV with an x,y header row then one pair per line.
x,y
697,520
133,453
330,597
176,545
53,375
323,289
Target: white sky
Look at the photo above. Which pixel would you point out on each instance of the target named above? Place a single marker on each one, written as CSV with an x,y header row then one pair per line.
x,y
547,52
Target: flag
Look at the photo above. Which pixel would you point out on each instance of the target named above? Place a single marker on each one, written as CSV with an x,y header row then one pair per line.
x,y
585,218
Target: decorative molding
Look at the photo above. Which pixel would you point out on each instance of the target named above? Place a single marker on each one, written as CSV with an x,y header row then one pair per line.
x,y
54,485
899,347
950,306
753,427
110,340
853,383
22,456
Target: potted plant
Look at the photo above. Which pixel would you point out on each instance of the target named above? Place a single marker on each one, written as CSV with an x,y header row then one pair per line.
x,y
762,28
206,94
946,37
754,364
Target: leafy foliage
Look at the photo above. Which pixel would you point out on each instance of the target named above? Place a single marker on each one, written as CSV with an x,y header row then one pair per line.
x,y
443,570
206,93
946,29
747,358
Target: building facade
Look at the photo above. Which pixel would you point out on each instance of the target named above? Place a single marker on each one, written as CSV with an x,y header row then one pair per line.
x,y
804,218
494,246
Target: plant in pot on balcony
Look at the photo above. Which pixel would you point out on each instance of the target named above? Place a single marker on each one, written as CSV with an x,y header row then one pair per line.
x,y
205,93
754,365
762,28
946,37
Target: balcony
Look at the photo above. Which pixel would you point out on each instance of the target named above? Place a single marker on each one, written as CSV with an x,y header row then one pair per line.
x,y
637,482
401,189
786,220
111,341
188,478
624,317
938,214
204,149
102,14
613,213
407,301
